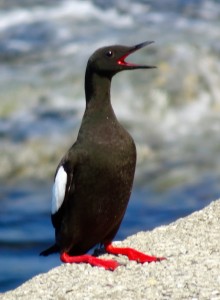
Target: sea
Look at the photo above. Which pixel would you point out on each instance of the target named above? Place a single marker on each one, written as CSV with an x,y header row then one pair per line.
x,y
171,111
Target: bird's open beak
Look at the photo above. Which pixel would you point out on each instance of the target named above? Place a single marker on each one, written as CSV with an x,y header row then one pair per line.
x,y
121,61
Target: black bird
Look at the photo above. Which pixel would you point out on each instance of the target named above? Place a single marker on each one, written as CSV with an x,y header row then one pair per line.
x,y
93,181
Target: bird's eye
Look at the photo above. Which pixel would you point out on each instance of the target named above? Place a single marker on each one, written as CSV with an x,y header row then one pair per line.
x,y
109,53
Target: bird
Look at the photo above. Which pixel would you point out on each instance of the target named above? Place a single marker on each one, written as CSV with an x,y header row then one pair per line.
x,y
94,179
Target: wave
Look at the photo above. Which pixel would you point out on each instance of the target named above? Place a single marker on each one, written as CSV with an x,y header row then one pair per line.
x,y
75,10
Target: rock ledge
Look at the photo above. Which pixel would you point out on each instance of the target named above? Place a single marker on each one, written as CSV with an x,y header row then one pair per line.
x,y
191,271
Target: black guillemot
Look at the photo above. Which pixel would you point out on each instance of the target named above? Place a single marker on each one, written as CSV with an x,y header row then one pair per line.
x,y
93,181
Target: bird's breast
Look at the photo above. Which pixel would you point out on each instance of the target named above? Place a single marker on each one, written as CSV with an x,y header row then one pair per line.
x,y
108,164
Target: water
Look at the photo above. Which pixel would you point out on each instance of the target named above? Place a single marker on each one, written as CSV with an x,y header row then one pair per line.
x,y
172,112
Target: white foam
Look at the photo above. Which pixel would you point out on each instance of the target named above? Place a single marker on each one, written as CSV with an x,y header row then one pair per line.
x,y
76,10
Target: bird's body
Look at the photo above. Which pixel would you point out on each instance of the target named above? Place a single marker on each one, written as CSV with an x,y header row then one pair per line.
x,y
94,179
102,167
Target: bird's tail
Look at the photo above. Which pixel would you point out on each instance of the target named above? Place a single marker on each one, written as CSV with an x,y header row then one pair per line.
x,y
50,250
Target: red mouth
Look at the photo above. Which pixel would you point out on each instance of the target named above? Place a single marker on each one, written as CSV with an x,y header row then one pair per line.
x,y
121,61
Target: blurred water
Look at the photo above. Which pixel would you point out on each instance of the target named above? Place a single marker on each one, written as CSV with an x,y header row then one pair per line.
x,y
172,112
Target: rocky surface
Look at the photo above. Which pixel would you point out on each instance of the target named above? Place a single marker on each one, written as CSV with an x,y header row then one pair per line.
x,y
191,271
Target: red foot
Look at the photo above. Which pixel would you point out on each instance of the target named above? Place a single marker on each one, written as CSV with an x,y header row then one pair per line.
x,y
132,254
109,264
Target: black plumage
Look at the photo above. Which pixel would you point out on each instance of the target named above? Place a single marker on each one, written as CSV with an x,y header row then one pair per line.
x,y
98,170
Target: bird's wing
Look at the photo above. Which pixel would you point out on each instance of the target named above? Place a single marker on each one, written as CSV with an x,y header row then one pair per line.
x,y
63,185
59,189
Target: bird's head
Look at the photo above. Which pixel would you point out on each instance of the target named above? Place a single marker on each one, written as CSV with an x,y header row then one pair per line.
x,y
110,60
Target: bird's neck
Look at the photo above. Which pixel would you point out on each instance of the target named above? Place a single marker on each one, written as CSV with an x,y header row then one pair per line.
x,y
99,115
97,90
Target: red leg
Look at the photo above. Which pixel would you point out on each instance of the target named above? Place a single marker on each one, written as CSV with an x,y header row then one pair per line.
x,y
109,264
132,254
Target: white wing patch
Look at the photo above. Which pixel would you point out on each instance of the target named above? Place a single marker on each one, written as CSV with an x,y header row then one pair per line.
x,y
59,189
